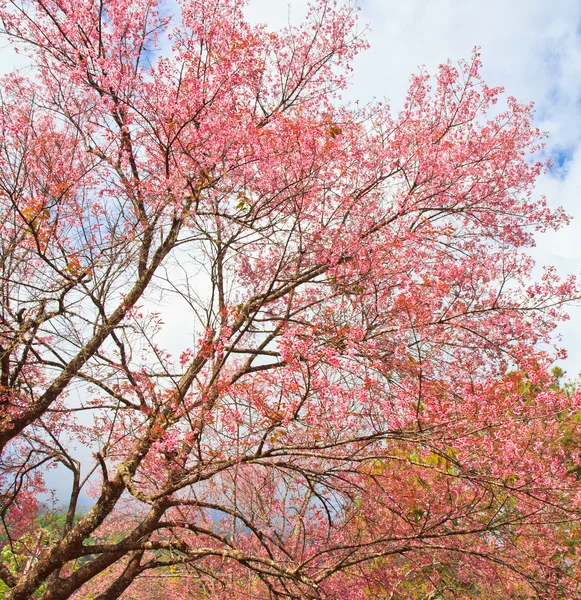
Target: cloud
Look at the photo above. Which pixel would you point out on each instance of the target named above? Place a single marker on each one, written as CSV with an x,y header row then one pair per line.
x,y
276,13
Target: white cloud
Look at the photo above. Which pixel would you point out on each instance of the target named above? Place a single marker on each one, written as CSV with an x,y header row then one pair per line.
x,y
276,13
10,59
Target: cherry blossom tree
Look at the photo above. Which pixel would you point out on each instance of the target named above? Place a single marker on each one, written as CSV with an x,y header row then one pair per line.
x,y
360,405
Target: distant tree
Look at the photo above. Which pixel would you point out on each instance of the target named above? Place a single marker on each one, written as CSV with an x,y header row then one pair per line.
x,y
492,533
346,422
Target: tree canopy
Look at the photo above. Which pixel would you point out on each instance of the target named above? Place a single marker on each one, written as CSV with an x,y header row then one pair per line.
x,y
364,409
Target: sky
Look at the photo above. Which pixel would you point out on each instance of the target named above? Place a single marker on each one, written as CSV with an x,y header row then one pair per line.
x,y
529,47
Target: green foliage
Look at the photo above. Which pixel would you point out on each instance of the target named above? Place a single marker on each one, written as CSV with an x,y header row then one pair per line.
x,y
17,555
